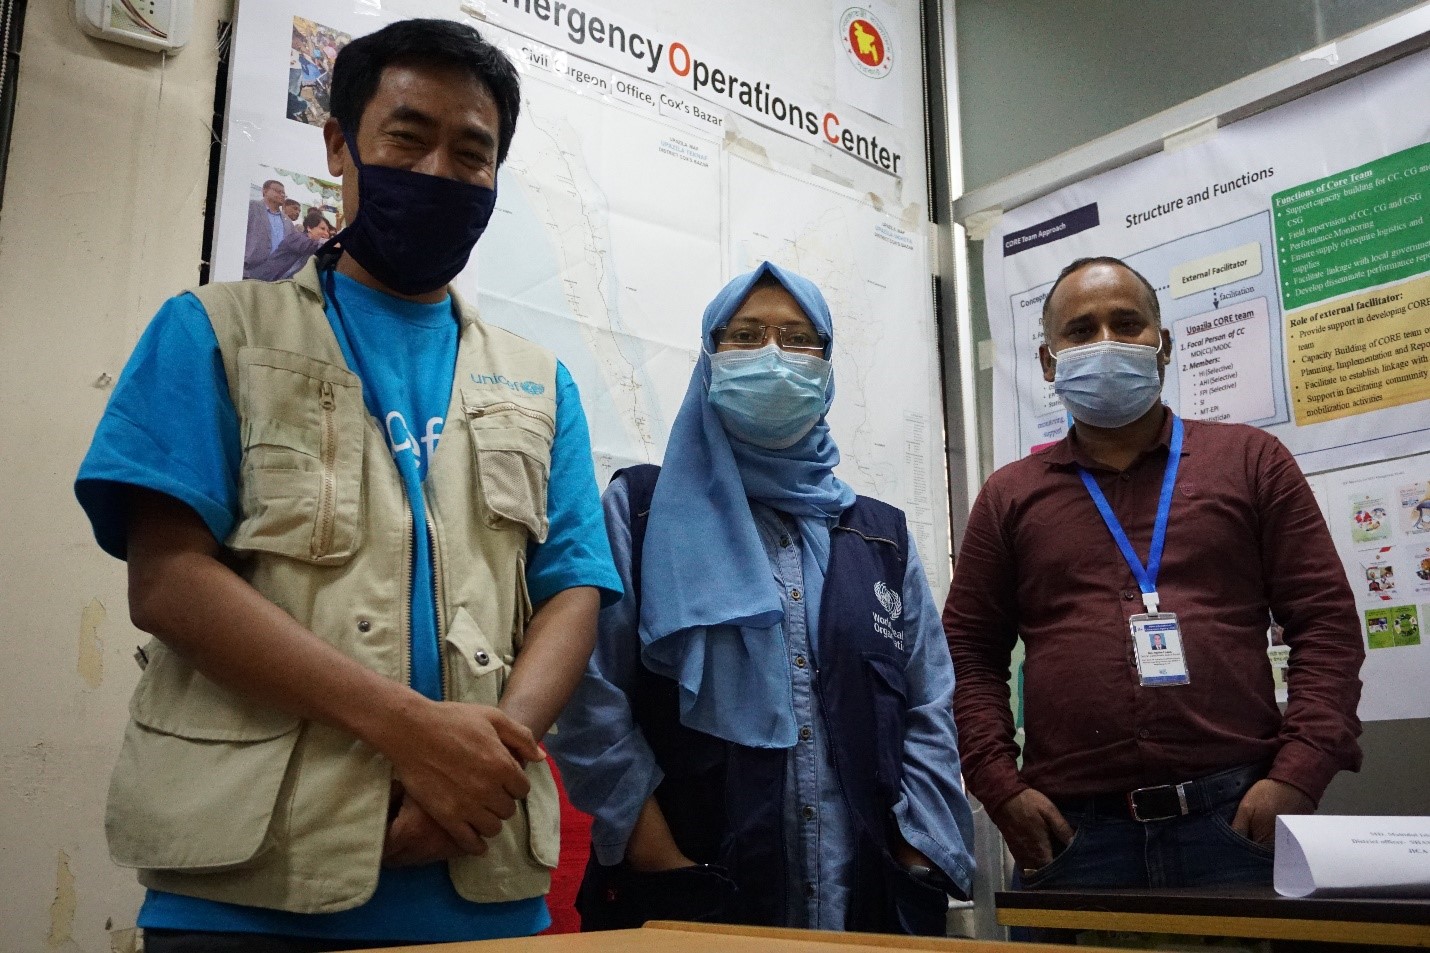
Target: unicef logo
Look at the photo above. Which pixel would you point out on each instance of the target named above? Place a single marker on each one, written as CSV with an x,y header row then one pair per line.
x,y
500,380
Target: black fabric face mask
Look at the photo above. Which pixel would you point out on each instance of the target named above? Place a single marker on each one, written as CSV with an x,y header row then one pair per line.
x,y
413,232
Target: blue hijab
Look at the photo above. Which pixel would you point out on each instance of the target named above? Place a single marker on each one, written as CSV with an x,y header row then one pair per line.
x,y
711,614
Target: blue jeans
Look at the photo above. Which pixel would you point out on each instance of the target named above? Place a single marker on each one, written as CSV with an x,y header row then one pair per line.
x,y
1197,850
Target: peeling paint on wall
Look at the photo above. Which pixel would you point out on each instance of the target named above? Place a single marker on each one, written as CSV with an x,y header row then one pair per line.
x,y
63,906
746,149
124,941
912,218
24,769
91,643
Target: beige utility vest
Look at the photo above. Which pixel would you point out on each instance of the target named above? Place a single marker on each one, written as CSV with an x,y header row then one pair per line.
x,y
217,797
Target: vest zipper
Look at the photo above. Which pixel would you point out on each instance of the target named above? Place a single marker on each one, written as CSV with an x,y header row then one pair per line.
x,y
327,502
507,405
407,600
438,600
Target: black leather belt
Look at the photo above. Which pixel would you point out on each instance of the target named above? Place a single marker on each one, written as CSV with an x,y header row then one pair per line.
x,y
1164,801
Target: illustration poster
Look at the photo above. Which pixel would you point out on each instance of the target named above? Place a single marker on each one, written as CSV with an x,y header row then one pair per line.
x,y
1292,268
1373,512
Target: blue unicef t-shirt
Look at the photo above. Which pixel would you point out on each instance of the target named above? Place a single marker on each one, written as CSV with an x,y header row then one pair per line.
x,y
171,426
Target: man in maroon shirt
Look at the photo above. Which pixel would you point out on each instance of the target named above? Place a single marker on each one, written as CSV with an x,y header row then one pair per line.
x,y
1155,752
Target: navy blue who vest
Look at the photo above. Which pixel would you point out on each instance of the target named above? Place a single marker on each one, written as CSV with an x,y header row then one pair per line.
x,y
725,802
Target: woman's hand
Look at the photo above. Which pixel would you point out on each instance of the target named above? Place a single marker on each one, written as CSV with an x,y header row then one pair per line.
x,y
652,847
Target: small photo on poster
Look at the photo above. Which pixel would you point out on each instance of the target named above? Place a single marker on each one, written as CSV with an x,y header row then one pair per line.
x,y
290,216
1370,519
1415,507
1392,627
1419,567
1378,574
310,70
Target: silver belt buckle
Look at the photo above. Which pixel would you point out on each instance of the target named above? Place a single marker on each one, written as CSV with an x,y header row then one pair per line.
x,y
1181,790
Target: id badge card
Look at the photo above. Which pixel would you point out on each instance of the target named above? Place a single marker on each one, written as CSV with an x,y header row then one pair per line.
x,y
1157,639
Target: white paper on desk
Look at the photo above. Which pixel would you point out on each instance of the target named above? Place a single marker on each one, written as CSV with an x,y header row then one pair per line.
x,y
1352,856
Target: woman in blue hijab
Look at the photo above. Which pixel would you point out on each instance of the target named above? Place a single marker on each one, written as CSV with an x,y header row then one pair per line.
x,y
764,732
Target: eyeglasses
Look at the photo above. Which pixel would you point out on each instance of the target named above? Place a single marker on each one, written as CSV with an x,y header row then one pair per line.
x,y
752,336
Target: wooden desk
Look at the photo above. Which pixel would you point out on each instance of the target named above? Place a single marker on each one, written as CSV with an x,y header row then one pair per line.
x,y
1256,913
661,937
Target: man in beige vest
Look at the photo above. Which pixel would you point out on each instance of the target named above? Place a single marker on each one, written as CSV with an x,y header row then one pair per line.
x,y
363,528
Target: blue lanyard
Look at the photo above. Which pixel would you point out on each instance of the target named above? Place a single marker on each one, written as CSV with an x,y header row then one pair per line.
x,y
1146,577
355,361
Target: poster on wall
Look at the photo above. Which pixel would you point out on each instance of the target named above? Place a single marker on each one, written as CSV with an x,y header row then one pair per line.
x,y
655,157
1379,516
1291,256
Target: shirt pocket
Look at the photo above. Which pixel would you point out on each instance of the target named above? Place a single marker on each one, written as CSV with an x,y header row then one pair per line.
x,y
511,446
302,427
200,775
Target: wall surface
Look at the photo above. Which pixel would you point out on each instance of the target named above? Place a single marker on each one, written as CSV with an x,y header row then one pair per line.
x,y
1037,78
102,218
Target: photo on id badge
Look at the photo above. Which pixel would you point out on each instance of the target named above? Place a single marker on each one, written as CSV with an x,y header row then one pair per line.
x,y
1157,639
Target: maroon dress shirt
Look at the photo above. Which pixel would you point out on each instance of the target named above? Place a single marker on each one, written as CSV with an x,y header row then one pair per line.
x,y
1245,541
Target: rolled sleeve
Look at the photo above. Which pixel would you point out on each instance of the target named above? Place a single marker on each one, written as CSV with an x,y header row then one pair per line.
x,y
932,811
606,763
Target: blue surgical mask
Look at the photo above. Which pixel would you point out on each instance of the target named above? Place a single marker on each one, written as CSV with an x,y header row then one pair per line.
x,y
413,232
768,397
1108,384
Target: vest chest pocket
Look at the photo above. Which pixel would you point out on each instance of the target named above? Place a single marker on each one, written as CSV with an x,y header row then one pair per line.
x,y
302,425
511,445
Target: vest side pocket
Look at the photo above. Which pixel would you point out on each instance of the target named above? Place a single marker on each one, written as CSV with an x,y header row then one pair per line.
x,y
520,859
888,693
524,610
174,698
477,672
543,814
302,425
200,773
511,445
